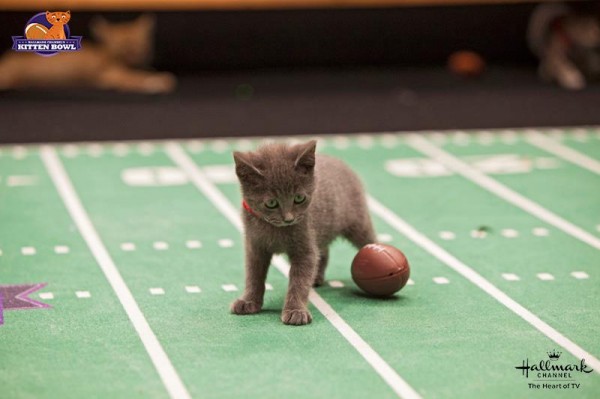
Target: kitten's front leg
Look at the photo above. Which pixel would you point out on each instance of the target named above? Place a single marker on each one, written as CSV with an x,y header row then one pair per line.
x,y
303,269
121,78
257,265
561,68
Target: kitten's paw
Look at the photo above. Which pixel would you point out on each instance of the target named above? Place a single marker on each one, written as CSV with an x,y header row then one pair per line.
x,y
572,80
160,83
241,306
296,317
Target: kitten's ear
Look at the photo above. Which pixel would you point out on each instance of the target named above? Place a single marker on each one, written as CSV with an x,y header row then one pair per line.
x,y
305,160
244,168
99,27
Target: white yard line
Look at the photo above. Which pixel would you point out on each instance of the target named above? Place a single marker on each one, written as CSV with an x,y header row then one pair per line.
x,y
421,240
161,361
554,147
423,145
216,197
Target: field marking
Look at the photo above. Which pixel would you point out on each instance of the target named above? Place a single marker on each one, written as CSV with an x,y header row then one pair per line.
x,y
160,246
510,277
219,201
61,249
478,233
128,246
28,251
545,276
447,235
193,244
540,231
229,287
554,147
384,237
500,190
580,275
467,272
161,361
21,180
226,243
509,233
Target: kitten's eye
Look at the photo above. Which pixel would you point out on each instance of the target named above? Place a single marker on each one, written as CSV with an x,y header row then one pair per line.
x,y
298,199
271,204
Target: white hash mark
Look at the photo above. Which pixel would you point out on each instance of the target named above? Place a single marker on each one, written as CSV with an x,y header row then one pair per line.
x,y
545,276
336,284
510,277
229,287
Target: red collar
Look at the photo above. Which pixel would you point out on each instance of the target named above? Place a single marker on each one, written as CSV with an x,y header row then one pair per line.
x,y
559,29
248,209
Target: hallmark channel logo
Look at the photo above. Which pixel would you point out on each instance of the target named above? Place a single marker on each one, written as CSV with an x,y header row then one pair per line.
x,y
47,33
552,374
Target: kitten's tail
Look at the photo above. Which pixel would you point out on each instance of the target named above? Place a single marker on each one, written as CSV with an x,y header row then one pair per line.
x,y
540,23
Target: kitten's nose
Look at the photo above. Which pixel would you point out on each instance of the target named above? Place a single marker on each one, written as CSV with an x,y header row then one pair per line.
x,y
289,218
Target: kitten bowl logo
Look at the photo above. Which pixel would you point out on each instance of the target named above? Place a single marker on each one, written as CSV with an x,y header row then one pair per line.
x,y
553,374
47,34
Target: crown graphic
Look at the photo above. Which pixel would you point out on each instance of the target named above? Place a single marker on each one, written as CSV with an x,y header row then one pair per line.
x,y
554,355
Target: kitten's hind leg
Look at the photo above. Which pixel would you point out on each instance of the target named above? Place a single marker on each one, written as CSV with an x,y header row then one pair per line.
x,y
323,259
360,233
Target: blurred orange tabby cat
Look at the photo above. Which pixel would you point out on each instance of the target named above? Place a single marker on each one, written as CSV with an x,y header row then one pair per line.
x,y
112,63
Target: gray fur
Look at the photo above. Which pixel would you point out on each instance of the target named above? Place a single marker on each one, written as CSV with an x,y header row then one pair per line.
x,y
567,44
335,205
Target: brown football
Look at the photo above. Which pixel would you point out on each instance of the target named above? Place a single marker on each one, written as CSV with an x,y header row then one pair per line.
x,y
466,63
380,269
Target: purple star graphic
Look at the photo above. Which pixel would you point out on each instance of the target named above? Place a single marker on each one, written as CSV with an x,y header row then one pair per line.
x,y
17,297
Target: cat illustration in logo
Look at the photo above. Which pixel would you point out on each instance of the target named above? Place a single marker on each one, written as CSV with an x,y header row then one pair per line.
x,y
57,19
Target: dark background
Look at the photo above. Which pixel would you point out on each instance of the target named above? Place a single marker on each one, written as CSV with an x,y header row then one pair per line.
x,y
309,72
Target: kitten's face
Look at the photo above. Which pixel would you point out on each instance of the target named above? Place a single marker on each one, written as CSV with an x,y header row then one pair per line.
x,y
130,42
58,17
278,181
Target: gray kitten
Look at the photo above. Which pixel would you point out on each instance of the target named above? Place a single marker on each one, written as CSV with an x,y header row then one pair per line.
x,y
567,44
296,202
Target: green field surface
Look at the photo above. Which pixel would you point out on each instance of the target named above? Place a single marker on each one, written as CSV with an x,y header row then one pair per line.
x,y
118,262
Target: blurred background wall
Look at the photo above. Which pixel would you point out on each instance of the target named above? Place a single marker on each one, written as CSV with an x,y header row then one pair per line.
x,y
305,67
